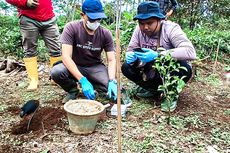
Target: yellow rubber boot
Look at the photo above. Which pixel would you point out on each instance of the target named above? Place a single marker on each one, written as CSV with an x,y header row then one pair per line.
x,y
52,61
32,71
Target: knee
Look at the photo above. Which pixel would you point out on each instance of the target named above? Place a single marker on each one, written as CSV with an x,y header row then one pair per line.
x,y
104,85
188,73
55,72
124,68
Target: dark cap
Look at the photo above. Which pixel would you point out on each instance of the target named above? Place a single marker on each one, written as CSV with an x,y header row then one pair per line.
x,y
93,9
148,10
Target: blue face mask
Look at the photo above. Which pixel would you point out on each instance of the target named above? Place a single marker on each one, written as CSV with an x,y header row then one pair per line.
x,y
92,25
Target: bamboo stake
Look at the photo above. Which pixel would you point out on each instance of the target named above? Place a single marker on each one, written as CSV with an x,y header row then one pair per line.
x,y
118,49
217,52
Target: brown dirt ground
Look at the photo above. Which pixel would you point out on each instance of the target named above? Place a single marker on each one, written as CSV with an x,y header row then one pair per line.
x,y
49,127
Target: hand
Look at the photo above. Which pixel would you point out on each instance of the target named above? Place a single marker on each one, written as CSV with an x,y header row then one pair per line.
x,y
32,3
112,89
130,57
169,13
162,51
147,56
87,88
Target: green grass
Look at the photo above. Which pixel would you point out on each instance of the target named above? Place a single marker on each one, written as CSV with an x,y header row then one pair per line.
x,y
140,106
184,134
227,112
2,108
213,80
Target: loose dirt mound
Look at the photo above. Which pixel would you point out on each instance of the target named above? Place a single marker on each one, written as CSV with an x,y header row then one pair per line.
x,y
44,119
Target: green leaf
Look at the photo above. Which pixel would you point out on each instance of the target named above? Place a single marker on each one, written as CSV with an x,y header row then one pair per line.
x,y
45,151
183,68
180,85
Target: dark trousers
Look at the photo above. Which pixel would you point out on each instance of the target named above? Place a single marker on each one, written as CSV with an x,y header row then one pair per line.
x,y
153,79
97,75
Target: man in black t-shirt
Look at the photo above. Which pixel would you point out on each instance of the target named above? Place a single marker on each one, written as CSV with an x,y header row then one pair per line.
x,y
82,44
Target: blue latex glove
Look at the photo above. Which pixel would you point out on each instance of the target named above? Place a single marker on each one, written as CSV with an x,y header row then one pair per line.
x,y
87,88
112,90
147,56
130,57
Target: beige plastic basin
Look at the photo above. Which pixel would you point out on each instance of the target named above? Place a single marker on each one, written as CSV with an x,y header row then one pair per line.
x,y
83,115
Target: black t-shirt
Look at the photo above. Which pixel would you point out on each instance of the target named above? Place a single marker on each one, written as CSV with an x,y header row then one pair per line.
x,y
87,48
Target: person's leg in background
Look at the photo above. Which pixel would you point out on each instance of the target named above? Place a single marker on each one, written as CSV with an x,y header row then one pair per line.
x,y
50,35
30,34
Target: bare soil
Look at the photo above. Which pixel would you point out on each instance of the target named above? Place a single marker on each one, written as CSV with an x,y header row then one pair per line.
x,y
49,131
44,119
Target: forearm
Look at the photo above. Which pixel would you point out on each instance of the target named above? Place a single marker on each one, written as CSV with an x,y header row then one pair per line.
x,y
169,13
112,69
72,67
184,53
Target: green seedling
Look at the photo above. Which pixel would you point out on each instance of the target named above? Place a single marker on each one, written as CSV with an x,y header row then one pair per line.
x,y
171,85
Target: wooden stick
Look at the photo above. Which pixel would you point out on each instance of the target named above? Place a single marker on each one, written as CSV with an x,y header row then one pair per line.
x,y
118,93
217,52
118,49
